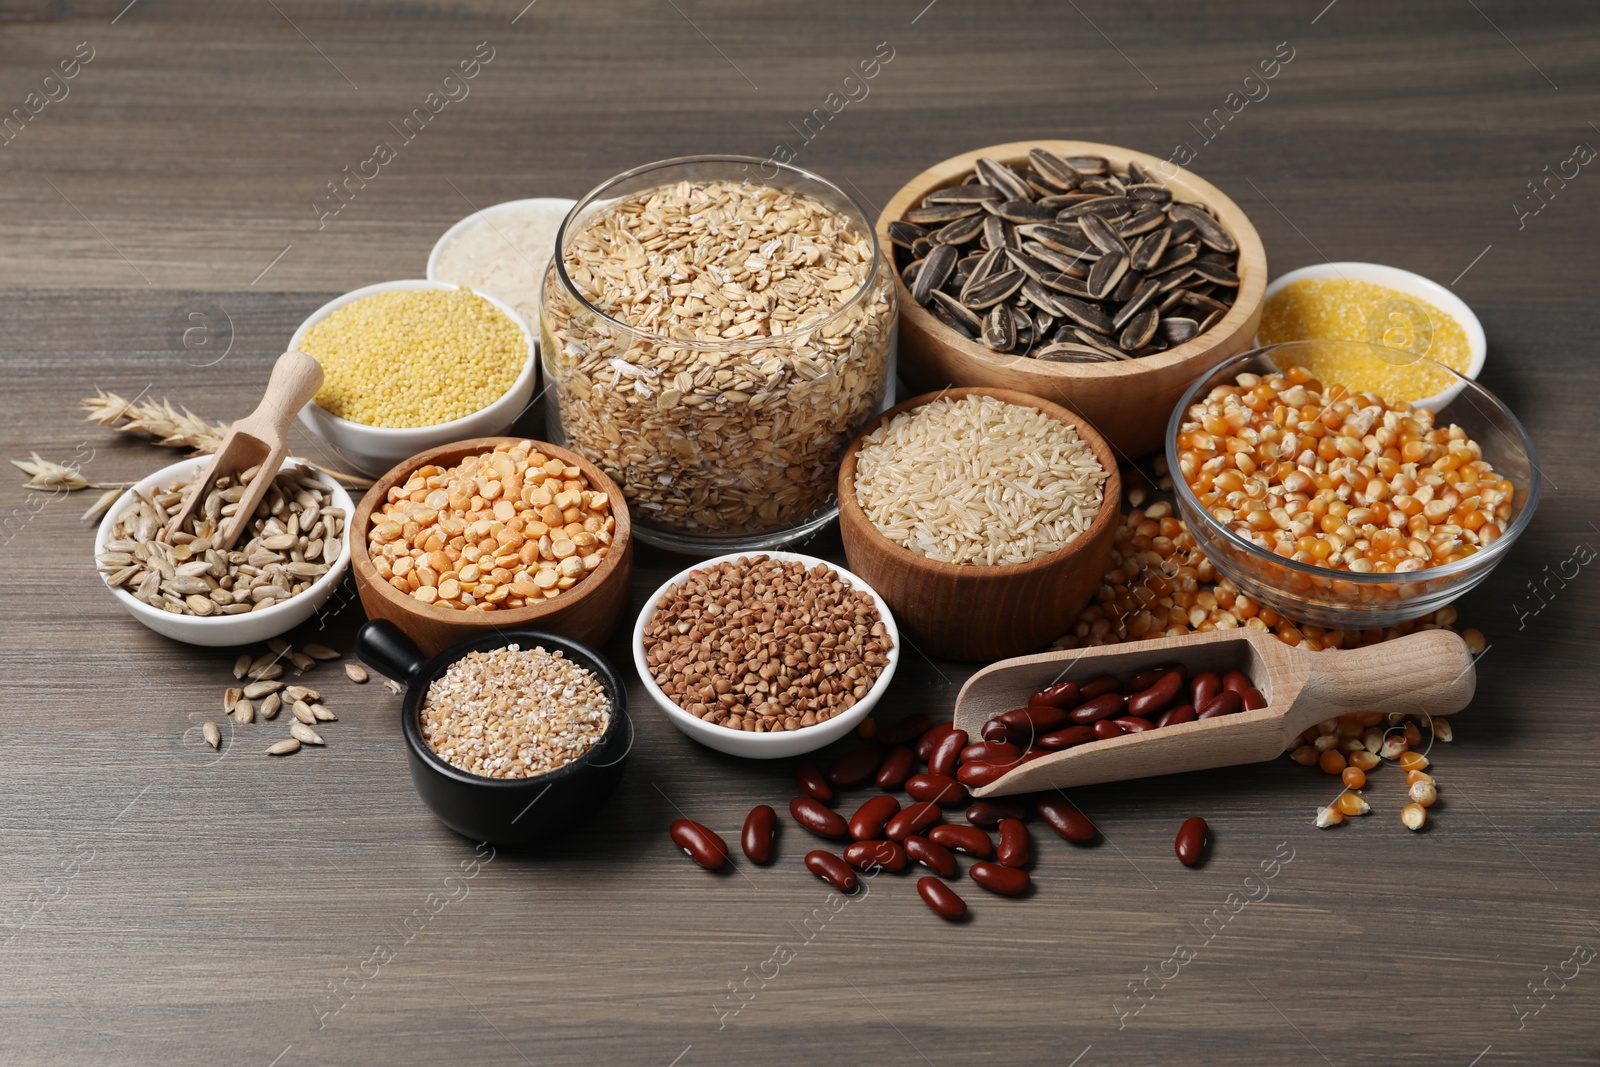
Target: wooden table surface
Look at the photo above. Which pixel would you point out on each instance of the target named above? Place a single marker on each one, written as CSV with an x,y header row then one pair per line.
x,y
162,904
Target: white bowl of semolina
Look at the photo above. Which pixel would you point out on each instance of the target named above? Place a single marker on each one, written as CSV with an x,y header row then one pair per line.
x,y
412,365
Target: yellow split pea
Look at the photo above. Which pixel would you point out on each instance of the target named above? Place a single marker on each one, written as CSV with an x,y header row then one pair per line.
x,y
1337,309
415,357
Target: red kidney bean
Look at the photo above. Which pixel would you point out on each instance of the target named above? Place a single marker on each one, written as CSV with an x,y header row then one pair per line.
x,y
897,767
1206,685
1031,754
1145,679
1157,698
968,839
931,855
1060,695
831,869
1132,725
760,831
1106,729
1068,738
1039,719
813,783
930,740
977,775
1099,687
1065,819
1016,847
886,854
1007,881
1226,702
702,845
989,752
820,819
856,766
1193,838
1253,699
1173,716
941,898
913,819
990,812
1101,707
993,730
870,818
945,754
939,788
902,730
1235,681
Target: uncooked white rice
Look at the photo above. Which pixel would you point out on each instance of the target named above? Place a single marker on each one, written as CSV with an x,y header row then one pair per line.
x,y
978,481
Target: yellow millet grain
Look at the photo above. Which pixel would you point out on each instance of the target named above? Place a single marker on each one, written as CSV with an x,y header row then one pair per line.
x,y
1337,309
415,357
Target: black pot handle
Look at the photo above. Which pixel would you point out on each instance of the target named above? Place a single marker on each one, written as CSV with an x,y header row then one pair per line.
x,y
381,646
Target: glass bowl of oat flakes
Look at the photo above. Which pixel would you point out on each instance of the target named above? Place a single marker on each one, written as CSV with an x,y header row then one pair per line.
x,y
715,332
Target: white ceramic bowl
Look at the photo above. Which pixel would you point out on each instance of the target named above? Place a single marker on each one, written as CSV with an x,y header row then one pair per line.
x,y
1410,284
375,449
552,209
776,745
221,631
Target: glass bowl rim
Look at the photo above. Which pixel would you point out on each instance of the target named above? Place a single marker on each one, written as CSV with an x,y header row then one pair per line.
x,y
558,259
1191,507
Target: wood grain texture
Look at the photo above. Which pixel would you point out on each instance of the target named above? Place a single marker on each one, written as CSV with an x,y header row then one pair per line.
x,y
1128,401
161,903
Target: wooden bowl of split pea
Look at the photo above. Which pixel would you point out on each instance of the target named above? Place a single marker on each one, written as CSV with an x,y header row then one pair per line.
x,y
413,365
490,534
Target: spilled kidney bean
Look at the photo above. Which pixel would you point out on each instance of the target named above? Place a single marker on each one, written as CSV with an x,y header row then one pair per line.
x,y
1101,707
760,831
913,819
1060,695
856,766
870,818
931,855
1235,681
864,855
1007,881
941,790
943,759
902,730
1065,819
897,767
1206,685
968,839
1194,836
1173,716
941,898
820,819
1226,702
1106,729
988,752
1071,736
990,812
1016,846
1099,687
1158,697
702,845
831,869
930,740
812,783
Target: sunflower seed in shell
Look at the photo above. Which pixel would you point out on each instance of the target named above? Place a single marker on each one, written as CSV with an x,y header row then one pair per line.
x,y
908,275
936,268
1214,274
996,234
355,672
941,312
1149,248
1141,222
904,234
1176,256
1205,303
1089,164
322,714
939,214
971,193
1068,239
1107,208
1023,212
1125,288
1150,194
958,311
212,734
1034,267
1068,352
1039,296
299,731
1211,320
1066,263
990,263
1098,341
960,231
1142,295
1209,229
287,746
1140,329
1177,329
1106,273
241,665
302,711
1003,178
993,289
920,247
1000,328
244,712
1101,235
1053,169
1084,313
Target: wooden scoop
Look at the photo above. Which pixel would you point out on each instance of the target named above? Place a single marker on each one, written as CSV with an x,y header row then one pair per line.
x,y
1430,672
258,439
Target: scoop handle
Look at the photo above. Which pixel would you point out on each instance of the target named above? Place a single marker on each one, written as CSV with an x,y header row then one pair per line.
x,y
1431,671
296,377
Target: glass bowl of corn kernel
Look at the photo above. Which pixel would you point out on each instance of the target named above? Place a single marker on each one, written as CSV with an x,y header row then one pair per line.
x,y
1338,507
412,365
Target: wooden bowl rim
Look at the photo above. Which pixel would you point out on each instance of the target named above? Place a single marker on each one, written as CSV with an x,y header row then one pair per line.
x,y
1110,493
1252,279
361,560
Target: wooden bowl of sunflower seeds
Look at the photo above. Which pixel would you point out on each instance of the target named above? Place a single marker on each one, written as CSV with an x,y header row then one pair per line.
x,y
1094,276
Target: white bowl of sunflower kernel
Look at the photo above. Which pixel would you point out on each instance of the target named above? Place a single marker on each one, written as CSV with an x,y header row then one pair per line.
x,y
412,365
491,533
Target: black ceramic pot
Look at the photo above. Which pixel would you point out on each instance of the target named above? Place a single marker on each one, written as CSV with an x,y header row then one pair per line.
x,y
502,811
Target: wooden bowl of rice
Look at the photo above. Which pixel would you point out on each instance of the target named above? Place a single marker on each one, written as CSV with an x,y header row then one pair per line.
x,y
1048,541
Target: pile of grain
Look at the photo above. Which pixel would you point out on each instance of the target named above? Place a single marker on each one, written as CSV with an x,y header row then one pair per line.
x,y
978,481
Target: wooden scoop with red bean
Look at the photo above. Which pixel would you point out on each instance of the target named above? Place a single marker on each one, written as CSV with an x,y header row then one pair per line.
x,y
1063,719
